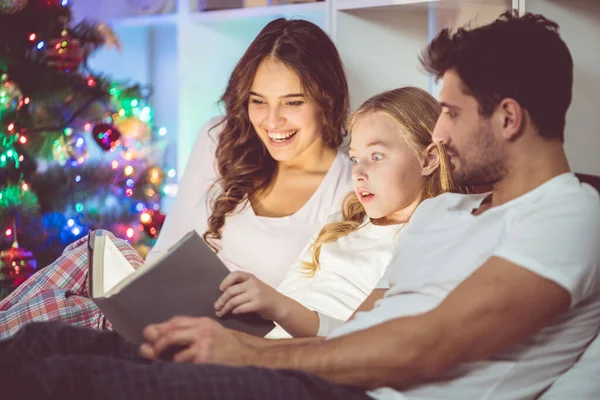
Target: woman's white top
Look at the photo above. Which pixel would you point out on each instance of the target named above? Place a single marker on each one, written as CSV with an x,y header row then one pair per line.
x,y
266,247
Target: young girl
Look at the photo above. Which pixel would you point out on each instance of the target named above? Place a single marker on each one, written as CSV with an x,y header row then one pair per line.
x,y
264,180
395,167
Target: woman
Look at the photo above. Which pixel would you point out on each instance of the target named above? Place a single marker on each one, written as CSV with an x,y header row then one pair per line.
x,y
275,172
396,166
271,163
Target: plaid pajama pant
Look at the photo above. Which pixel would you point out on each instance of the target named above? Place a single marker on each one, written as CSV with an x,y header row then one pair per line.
x,y
58,361
59,292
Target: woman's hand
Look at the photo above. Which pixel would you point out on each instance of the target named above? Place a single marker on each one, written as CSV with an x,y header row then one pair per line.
x,y
244,293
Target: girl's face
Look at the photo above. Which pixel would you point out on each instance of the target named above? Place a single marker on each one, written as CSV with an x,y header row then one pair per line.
x,y
387,173
284,119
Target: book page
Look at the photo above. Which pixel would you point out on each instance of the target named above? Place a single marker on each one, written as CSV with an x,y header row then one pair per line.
x,y
116,266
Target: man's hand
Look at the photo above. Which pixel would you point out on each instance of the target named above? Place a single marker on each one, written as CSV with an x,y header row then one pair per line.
x,y
205,341
244,293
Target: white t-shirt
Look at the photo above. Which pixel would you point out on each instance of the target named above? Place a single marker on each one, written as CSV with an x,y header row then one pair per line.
x,y
265,247
349,269
581,381
553,231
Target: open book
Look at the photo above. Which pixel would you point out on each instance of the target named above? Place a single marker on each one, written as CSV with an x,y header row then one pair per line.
x,y
184,281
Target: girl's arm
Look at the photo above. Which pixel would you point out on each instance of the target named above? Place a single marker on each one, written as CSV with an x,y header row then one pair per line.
x,y
369,302
296,319
244,293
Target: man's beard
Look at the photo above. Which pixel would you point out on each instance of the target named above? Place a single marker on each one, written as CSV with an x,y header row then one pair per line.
x,y
472,174
483,165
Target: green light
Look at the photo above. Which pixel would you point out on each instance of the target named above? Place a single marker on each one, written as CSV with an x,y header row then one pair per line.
x,y
68,131
79,207
64,43
9,153
3,158
134,103
113,91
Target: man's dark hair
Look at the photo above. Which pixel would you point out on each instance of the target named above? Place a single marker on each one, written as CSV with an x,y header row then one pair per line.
x,y
523,58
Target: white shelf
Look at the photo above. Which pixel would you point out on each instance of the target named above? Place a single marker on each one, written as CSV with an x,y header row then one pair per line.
x,y
145,20
285,10
356,5
348,5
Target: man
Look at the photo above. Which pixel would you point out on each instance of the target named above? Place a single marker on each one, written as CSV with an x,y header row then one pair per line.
x,y
491,296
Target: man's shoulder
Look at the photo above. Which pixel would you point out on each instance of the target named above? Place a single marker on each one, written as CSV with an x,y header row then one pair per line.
x,y
565,194
451,202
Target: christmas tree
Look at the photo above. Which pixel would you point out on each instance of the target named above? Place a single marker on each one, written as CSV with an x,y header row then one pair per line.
x,y
76,149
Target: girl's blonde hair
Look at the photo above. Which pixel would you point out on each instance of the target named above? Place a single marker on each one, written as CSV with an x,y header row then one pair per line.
x,y
416,111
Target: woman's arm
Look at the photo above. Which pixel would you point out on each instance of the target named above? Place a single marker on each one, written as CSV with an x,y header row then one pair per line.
x,y
198,176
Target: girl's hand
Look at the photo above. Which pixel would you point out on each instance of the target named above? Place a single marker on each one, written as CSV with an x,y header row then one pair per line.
x,y
244,293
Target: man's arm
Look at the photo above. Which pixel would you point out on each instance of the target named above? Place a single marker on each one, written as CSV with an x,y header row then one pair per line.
x,y
262,343
498,306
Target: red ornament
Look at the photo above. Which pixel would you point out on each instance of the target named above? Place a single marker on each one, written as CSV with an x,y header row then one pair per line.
x,y
153,224
106,135
65,53
16,265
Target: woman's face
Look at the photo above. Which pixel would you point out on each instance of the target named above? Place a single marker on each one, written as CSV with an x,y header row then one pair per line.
x,y
387,173
284,119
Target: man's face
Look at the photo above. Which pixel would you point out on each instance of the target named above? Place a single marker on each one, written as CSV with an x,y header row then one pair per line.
x,y
476,152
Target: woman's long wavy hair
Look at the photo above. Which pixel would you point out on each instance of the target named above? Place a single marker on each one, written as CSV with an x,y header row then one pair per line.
x,y
416,112
245,166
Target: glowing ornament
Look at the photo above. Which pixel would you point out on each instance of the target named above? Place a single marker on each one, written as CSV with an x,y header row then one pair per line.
x,y
64,53
10,94
16,265
69,149
134,132
106,135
